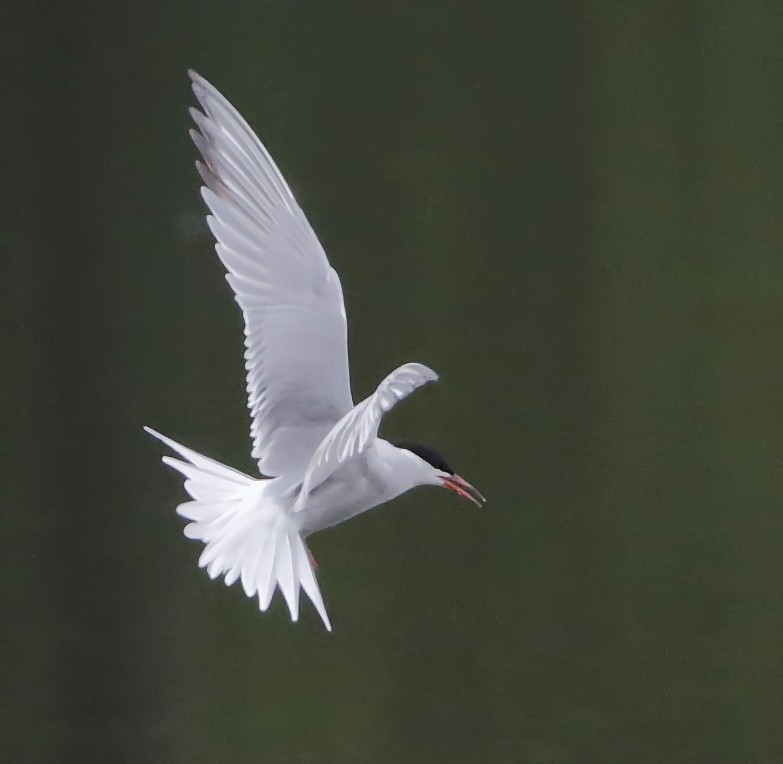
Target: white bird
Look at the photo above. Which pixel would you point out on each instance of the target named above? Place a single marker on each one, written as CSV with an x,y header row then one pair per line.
x,y
323,460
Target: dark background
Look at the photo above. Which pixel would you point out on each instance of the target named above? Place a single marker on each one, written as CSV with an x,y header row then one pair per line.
x,y
572,211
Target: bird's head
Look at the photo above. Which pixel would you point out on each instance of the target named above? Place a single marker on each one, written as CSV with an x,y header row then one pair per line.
x,y
432,469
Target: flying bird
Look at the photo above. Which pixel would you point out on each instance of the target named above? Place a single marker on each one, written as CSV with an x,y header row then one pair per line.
x,y
320,454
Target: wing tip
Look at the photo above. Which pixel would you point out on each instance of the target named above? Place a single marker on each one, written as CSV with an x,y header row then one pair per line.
x,y
196,115
429,374
198,83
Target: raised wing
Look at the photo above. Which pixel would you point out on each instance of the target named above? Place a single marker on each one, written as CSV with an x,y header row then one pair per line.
x,y
296,355
357,430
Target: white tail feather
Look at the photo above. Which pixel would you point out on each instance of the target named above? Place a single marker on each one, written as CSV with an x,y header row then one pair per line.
x,y
247,536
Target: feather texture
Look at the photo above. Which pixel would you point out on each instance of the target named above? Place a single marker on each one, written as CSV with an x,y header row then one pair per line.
x,y
296,355
357,430
247,534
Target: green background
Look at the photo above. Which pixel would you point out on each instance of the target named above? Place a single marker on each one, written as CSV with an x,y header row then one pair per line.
x,y
570,210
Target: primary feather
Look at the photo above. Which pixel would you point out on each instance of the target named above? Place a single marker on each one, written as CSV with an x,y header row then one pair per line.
x,y
298,382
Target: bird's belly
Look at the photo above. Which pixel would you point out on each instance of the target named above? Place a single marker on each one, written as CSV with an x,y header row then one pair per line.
x,y
345,494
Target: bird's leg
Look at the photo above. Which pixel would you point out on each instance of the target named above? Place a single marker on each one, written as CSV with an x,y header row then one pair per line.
x,y
313,562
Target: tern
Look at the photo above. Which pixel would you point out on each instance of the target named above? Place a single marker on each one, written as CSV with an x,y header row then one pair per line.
x,y
319,455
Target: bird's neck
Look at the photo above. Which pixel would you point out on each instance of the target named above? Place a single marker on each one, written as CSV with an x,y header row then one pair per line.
x,y
399,470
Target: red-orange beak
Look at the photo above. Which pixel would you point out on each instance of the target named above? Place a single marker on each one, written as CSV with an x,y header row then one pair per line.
x,y
462,488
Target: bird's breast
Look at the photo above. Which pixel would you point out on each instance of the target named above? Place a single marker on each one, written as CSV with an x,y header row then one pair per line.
x,y
349,491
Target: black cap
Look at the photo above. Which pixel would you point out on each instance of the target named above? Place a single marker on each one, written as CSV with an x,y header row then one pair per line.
x,y
433,458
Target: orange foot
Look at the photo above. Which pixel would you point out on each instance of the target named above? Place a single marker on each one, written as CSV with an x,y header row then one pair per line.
x,y
313,561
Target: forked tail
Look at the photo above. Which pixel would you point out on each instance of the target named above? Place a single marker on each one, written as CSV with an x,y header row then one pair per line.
x,y
246,538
